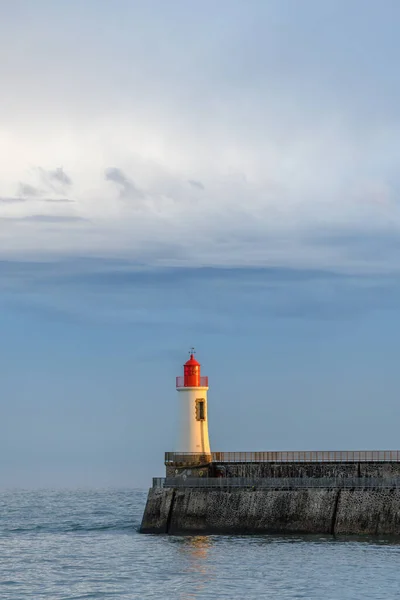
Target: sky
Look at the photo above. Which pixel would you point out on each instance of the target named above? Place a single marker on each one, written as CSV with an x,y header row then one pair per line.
x,y
223,175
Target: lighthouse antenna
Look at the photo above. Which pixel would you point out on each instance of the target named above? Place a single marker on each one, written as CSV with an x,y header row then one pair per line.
x,y
192,351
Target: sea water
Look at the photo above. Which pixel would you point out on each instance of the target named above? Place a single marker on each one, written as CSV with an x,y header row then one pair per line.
x,y
64,545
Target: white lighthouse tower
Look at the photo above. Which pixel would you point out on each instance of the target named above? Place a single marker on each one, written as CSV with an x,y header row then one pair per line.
x,y
192,392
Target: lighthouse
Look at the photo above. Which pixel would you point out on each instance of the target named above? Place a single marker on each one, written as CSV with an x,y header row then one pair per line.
x,y
192,391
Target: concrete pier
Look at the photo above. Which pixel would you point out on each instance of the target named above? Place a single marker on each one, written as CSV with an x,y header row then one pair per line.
x,y
236,511
257,510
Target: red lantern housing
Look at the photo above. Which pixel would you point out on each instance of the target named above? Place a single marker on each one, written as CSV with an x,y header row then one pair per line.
x,y
191,375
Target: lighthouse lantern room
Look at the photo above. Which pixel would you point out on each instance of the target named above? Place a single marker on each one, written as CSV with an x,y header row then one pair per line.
x,y
193,422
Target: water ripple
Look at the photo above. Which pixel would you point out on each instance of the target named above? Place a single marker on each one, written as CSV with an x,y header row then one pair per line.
x,y
63,545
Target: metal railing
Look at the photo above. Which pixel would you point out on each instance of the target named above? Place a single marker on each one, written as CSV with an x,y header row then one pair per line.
x,y
180,381
278,483
342,456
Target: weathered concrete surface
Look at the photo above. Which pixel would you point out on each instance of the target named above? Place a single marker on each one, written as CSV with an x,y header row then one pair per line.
x,y
239,511
258,469
368,512
388,470
158,511
339,469
245,511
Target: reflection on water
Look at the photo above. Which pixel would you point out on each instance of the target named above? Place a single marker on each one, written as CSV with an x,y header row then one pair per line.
x,y
196,548
194,551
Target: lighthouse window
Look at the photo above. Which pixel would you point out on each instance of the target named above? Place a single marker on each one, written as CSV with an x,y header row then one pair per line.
x,y
200,409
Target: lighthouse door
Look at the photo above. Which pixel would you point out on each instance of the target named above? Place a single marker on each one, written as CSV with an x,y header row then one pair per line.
x,y
200,409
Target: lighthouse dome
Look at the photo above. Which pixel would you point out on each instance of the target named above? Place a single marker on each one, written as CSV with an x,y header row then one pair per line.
x,y
192,362
191,372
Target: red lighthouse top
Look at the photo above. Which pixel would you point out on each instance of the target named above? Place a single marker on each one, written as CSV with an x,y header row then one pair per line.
x,y
191,374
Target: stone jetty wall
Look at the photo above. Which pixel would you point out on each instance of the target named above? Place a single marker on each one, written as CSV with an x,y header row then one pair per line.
x,y
311,469
186,510
247,511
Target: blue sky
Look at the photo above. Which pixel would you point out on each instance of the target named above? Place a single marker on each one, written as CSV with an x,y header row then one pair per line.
x,y
223,175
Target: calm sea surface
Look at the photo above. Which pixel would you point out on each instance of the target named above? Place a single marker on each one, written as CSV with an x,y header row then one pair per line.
x,y
84,544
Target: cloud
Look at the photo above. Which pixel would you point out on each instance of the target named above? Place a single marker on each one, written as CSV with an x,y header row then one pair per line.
x,y
46,219
12,200
56,180
55,218
59,176
20,199
127,188
196,184
294,137
25,189
55,200
235,299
